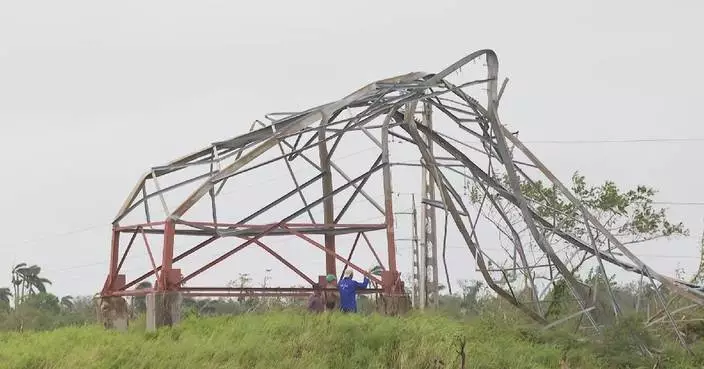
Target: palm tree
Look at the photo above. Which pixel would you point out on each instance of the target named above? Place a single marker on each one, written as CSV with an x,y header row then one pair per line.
x,y
5,295
67,302
36,282
26,280
18,273
33,283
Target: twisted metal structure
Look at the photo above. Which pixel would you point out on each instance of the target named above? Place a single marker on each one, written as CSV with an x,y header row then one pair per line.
x,y
438,117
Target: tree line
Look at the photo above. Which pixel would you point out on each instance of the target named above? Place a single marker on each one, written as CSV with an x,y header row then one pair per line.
x,y
28,305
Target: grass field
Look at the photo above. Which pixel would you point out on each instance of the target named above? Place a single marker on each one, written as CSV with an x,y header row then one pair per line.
x,y
297,340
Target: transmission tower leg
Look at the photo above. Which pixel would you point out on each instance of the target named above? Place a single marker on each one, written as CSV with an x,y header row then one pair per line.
x,y
328,205
388,202
394,292
429,247
166,278
114,257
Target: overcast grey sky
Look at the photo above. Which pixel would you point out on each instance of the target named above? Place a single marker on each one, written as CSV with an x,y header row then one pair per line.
x,y
92,94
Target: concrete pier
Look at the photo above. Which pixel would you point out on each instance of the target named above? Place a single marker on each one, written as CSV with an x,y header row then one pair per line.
x,y
113,313
163,309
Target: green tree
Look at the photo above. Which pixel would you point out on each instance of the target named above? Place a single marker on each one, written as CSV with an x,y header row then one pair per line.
x,y
80,312
27,280
631,215
139,303
5,295
34,282
18,275
698,277
44,302
470,295
67,302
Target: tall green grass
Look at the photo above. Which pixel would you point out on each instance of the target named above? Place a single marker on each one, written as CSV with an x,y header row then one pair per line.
x,y
299,340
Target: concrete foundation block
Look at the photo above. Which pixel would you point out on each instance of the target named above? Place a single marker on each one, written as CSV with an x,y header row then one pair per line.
x,y
398,304
113,313
163,309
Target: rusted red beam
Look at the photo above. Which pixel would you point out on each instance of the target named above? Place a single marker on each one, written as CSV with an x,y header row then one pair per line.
x,y
134,226
114,254
390,236
197,230
259,289
250,289
338,257
284,261
127,250
261,292
378,260
306,225
167,256
227,254
248,294
139,292
151,257
305,294
176,259
349,257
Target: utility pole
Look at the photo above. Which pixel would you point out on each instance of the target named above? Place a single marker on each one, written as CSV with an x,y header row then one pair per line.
x,y
428,256
415,261
415,256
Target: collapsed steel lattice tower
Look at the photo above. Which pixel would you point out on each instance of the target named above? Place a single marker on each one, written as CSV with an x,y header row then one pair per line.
x,y
404,108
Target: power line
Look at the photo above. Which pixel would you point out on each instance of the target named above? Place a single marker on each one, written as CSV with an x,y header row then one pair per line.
x,y
625,140
678,203
610,141
498,249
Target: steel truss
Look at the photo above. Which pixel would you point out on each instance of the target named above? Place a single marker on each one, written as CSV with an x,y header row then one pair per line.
x,y
394,108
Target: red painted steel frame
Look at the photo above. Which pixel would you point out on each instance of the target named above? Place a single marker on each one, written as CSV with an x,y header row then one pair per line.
x,y
114,255
235,292
349,257
151,256
170,279
167,256
335,255
284,261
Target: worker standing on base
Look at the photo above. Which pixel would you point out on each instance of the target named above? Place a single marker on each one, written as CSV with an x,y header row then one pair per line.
x,y
348,291
331,296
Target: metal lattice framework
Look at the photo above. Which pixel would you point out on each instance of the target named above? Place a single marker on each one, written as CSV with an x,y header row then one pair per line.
x,y
437,116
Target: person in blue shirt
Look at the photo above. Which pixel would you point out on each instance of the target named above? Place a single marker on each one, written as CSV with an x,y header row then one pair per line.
x,y
348,291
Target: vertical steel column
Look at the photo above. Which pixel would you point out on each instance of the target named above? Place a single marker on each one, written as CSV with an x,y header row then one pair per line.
x,y
388,202
429,245
328,205
167,257
114,257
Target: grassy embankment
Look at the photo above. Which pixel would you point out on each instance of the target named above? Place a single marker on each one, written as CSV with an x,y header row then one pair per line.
x,y
297,340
